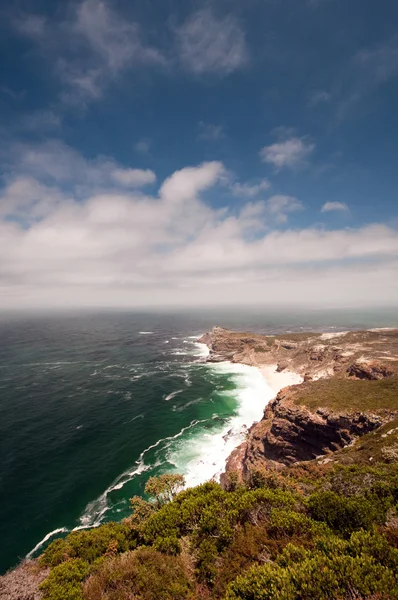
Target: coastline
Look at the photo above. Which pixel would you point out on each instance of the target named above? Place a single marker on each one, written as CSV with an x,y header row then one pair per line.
x,y
275,382
278,381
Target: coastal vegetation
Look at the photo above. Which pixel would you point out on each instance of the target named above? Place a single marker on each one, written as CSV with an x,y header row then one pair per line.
x,y
309,532
306,510
341,394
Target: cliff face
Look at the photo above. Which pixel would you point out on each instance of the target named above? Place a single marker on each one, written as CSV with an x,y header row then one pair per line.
x,y
289,433
350,389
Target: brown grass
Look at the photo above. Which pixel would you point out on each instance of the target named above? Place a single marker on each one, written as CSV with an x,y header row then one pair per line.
x,y
349,395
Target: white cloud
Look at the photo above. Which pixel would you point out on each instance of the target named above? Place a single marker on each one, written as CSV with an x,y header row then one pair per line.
x,y
133,177
210,132
26,198
41,120
319,97
335,206
143,146
379,63
280,206
250,190
55,164
291,153
368,69
208,44
90,49
83,241
113,38
30,25
190,181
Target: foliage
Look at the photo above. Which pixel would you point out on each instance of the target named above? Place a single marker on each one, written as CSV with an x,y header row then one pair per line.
x,y
315,577
346,514
361,395
309,532
64,581
164,488
89,544
143,574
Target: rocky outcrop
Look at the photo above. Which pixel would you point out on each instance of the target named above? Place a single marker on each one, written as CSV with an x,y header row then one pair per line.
x,y
289,433
294,427
359,354
372,371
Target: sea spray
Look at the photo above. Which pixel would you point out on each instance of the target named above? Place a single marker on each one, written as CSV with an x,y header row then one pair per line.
x,y
203,456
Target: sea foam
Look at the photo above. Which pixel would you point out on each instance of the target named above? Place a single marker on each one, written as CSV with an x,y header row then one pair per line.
x,y
203,456
200,450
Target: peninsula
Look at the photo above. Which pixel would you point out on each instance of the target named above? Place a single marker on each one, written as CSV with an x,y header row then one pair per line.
x,y
349,389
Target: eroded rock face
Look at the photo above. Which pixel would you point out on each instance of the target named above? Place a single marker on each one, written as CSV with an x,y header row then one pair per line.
x,y
291,432
371,371
288,434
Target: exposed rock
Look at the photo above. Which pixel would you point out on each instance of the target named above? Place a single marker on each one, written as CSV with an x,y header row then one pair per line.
x,y
372,370
303,353
282,365
288,345
290,433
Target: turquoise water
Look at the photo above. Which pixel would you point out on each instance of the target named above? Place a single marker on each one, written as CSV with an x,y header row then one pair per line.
x,y
92,405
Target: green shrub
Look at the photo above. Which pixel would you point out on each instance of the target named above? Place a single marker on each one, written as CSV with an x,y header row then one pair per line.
x,y
206,567
164,488
346,515
168,545
55,553
269,582
89,544
292,554
64,581
286,523
144,574
374,545
317,577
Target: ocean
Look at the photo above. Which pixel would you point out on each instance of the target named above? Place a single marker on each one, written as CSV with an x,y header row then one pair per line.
x,y
93,404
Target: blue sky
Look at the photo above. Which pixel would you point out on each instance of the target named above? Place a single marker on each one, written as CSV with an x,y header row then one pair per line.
x,y
154,150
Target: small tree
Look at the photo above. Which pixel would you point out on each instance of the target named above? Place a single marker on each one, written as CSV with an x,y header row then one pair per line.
x,y
162,489
165,487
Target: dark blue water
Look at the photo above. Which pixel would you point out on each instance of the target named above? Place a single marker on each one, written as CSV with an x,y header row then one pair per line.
x,y
91,405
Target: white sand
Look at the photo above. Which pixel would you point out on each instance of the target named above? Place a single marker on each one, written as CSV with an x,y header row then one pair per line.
x,y
278,381
330,336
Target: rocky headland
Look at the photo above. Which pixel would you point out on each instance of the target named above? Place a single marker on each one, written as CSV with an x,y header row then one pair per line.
x,y
345,410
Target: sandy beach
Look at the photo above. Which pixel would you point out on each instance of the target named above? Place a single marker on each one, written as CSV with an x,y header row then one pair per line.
x,y
278,381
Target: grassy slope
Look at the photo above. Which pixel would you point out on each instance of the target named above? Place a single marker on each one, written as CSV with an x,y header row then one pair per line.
x,y
349,395
379,446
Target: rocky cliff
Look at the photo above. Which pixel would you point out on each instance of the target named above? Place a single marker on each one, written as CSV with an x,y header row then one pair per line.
x,y
350,389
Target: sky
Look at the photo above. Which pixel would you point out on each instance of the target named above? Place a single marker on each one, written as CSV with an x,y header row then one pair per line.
x,y
184,153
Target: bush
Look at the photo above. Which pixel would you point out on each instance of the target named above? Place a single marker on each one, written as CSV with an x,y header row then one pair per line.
x,y
269,582
374,545
317,577
144,574
287,523
164,488
256,543
64,581
346,515
89,544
